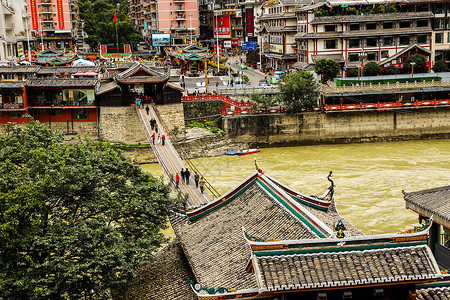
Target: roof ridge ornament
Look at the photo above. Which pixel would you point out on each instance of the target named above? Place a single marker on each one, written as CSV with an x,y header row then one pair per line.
x,y
422,227
340,231
255,238
260,171
199,290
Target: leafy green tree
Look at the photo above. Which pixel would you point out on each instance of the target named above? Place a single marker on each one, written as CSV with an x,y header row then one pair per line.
x,y
390,70
74,218
420,64
299,91
372,69
352,72
328,68
262,101
440,66
98,16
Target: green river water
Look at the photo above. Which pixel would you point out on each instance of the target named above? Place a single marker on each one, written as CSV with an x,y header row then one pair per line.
x,y
369,177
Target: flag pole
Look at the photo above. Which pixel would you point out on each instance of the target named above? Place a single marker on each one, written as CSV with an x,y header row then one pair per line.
x,y
115,24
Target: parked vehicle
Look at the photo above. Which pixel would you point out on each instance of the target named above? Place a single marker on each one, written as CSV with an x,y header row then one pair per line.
x,y
243,67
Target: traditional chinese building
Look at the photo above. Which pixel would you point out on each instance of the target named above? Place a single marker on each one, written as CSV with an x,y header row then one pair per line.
x,y
434,203
138,81
262,240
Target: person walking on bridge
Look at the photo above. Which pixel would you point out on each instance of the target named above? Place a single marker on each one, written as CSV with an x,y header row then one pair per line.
x,y
163,139
187,174
201,183
182,175
156,127
153,138
196,179
177,180
147,109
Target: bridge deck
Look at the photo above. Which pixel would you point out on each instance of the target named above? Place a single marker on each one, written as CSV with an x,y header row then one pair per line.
x,y
170,160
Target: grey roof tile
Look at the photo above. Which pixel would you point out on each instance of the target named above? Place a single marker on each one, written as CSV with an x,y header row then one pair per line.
x,y
436,293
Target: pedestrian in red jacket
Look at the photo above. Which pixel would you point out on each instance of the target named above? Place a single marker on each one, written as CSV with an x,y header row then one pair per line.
x,y
177,179
163,139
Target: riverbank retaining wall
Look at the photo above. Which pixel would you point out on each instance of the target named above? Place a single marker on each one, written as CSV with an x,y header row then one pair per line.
x,y
122,125
173,117
201,110
342,127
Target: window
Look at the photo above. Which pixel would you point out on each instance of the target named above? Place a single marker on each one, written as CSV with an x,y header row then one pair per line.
x,y
388,41
404,40
372,42
384,54
439,24
15,114
55,112
81,114
354,26
9,76
354,43
372,56
371,26
439,8
422,7
422,23
353,57
439,37
330,28
388,25
422,39
405,24
37,112
330,44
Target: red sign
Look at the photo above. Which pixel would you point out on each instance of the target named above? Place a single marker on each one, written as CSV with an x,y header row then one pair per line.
x,y
249,27
59,6
223,28
234,43
34,17
428,64
103,49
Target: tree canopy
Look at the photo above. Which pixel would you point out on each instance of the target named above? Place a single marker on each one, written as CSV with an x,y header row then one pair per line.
x,y
372,69
98,16
420,64
74,218
440,66
299,91
327,67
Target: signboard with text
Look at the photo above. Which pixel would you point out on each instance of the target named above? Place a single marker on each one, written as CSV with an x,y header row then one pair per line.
x,y
249,22
276,48
160,39
223,28
59,6
248,46
34,16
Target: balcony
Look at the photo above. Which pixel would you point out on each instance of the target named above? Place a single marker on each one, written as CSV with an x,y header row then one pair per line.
x,y
49,28
58,103
47,12
180,18
11,105
46,2
180,9
178,1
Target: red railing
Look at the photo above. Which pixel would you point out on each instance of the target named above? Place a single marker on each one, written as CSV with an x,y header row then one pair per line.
x,y
245,108
386,105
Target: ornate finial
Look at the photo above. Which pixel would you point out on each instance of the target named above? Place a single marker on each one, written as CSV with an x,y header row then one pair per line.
x,y
209,291
255,238
339,229
329,178
256,166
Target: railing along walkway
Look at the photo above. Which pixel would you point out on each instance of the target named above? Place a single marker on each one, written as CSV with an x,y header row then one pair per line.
x,y
332,88
170,160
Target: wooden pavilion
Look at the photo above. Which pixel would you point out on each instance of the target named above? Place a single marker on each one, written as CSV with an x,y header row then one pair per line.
x,y
189,55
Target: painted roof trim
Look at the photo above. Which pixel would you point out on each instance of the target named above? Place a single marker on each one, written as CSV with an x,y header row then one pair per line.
x,y
420,236
316,202
207,293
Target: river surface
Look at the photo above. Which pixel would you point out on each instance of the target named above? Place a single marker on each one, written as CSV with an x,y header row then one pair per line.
x,y
369,177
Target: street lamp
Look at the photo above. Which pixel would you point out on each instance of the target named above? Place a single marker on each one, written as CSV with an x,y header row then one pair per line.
x,y
216,14
412,72
362,56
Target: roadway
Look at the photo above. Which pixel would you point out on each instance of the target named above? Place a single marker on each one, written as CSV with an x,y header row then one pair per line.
x,y
170,160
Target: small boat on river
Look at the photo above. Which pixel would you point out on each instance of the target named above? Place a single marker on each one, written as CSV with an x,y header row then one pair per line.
x,y
243,152
248,151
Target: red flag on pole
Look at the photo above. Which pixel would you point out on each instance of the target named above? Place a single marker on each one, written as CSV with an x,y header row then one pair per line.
x,y
115,18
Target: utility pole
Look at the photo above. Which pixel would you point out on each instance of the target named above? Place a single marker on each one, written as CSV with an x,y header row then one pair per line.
x,y
216,14
28,36
115,23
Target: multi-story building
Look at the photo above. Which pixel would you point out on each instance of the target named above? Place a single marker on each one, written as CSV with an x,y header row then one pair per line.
x,y
180,18
52,22
354,33
13,28
277,24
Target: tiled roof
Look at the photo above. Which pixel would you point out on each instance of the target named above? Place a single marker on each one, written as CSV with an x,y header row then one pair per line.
x,y
70,70
12,84
105,87
430,202
19,69
340,269
214,244
371,17
61,82
336,57
437,293
165,278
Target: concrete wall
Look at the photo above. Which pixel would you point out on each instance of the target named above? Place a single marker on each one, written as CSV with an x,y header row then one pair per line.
x,y
314,128
121,124
173,117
